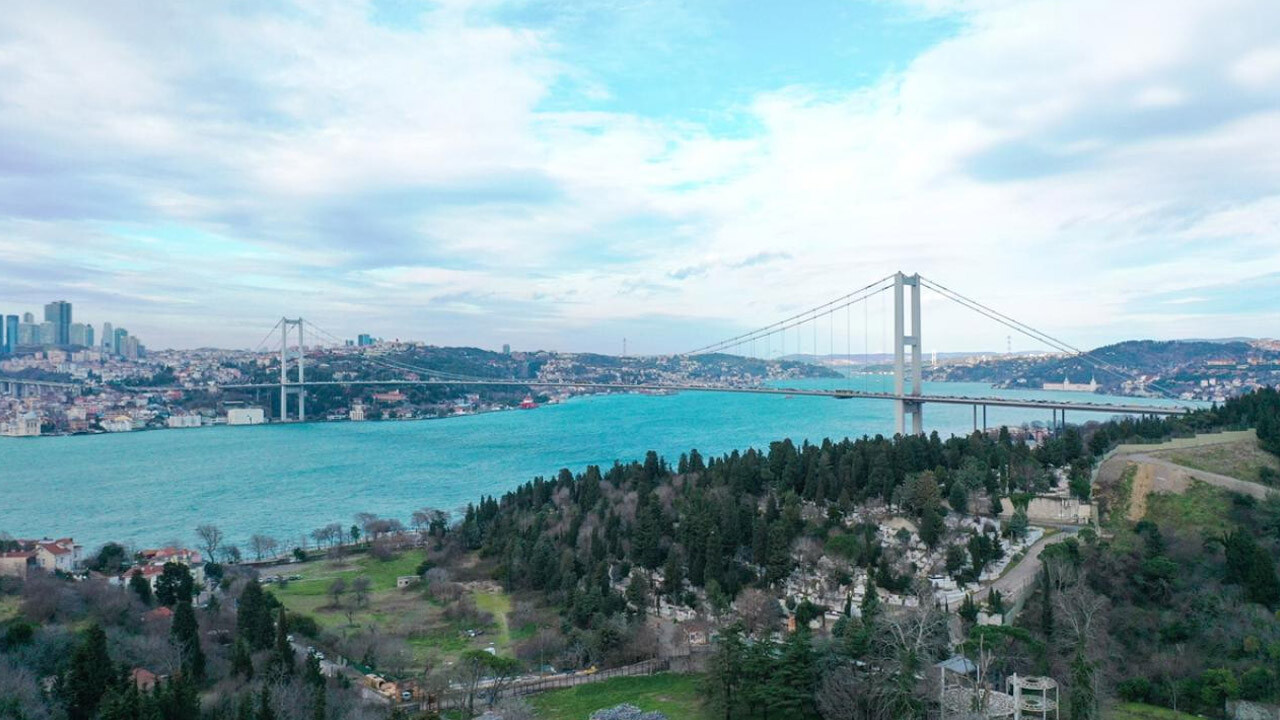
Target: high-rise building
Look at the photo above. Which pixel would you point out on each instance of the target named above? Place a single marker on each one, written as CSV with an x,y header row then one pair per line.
x,y
5,340
58,313
108,337
48,333
118,341
506,349
88,336
364,340
11,333
28,318
28,333
76,335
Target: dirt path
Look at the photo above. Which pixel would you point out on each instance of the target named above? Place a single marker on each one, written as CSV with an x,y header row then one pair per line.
x,y
1170,477
1144,481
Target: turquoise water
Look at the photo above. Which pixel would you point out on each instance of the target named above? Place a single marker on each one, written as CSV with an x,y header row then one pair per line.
x,y
285,480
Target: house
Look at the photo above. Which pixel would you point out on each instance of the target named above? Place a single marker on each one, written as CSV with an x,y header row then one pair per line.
x,y
61,555
17,563
151,564
144,678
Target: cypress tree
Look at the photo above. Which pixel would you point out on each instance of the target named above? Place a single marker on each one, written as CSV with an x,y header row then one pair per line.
x,y
283,660
90,675
141,586
185,634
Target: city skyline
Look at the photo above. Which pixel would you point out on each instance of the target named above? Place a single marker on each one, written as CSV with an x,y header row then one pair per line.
x,y
563,175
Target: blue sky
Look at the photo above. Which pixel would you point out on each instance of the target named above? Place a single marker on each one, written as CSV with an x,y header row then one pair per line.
x,y
564,173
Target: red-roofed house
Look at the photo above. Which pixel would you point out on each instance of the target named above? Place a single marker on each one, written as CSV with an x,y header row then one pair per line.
x,y
144,678
17,563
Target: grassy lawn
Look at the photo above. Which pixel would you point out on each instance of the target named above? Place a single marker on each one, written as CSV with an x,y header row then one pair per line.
x,y
1241,459
498,603
1202,508
1193,442
9,607
406,614
674,695
1138,711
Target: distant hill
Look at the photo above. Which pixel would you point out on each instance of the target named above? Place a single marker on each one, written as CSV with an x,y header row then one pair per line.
x,y
1142,367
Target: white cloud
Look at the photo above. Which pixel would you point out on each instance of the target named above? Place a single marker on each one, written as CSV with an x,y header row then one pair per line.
x,y
1062,160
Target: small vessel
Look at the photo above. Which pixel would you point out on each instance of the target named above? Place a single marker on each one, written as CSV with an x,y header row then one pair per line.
x,y
528,403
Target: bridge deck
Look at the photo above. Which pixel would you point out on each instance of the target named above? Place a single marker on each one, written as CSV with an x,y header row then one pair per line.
x,y
1081,406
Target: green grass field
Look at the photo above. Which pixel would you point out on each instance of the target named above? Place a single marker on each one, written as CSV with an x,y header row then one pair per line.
x,y
1138,711
668,693
1202,508
1241,459
399,613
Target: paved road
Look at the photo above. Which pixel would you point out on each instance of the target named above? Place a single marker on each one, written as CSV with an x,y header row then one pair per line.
x,y
1172,477
1023,575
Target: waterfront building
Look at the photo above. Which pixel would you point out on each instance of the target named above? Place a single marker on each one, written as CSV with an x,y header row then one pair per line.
x,y
357,412
58,313
24,425
245,416
183,421
1067,385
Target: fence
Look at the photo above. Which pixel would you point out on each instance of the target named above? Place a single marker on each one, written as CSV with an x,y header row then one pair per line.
x,y
455,699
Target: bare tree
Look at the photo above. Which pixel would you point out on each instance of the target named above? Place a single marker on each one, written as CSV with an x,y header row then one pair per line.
x,y
360,586
759,611
336,589
210,539
262,545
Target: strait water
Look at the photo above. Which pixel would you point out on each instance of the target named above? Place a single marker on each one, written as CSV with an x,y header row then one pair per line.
x,y
285,480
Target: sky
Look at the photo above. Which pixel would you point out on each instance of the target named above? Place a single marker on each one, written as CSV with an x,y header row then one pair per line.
x,y
561,174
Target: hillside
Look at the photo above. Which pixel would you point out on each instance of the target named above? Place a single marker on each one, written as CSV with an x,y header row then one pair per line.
x,y
1196,369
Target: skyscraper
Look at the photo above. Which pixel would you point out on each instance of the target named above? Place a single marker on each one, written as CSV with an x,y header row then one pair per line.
x,y
58,312
4,341
108,337
118,341
11,333
28,318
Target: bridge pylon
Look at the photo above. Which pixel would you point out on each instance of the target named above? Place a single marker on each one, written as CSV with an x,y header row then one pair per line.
x,y
288,387
907,381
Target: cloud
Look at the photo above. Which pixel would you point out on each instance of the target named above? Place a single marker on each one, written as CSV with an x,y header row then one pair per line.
x,y
483,171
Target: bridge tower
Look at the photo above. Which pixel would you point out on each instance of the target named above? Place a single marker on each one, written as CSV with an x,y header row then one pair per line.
x,y
288,387
904,386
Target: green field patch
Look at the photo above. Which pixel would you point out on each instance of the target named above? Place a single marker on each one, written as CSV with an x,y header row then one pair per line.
x,y
1242,459
1139,711
674,695
1202,508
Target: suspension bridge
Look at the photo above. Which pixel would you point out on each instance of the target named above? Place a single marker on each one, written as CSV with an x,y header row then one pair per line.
x,y
907,395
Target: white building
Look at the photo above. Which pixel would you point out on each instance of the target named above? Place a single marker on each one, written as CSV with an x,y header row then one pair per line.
x,y
183,421
357,412
24,425
245,416
119,423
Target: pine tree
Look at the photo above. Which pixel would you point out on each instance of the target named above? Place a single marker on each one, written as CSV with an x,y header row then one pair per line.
x,y
264,704
869,608
253,617
185,635
311,672
242,659
724,671
90,675
141,586
319,709
283,660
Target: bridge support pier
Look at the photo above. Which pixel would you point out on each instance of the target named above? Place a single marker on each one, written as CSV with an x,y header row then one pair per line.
x,y
902,343
288,388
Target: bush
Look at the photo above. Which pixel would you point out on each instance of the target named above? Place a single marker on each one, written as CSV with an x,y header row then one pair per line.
x,y
1134,690
626,711
304,625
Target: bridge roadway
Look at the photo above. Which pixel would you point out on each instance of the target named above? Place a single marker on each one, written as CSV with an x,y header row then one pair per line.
x,y
1119,409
